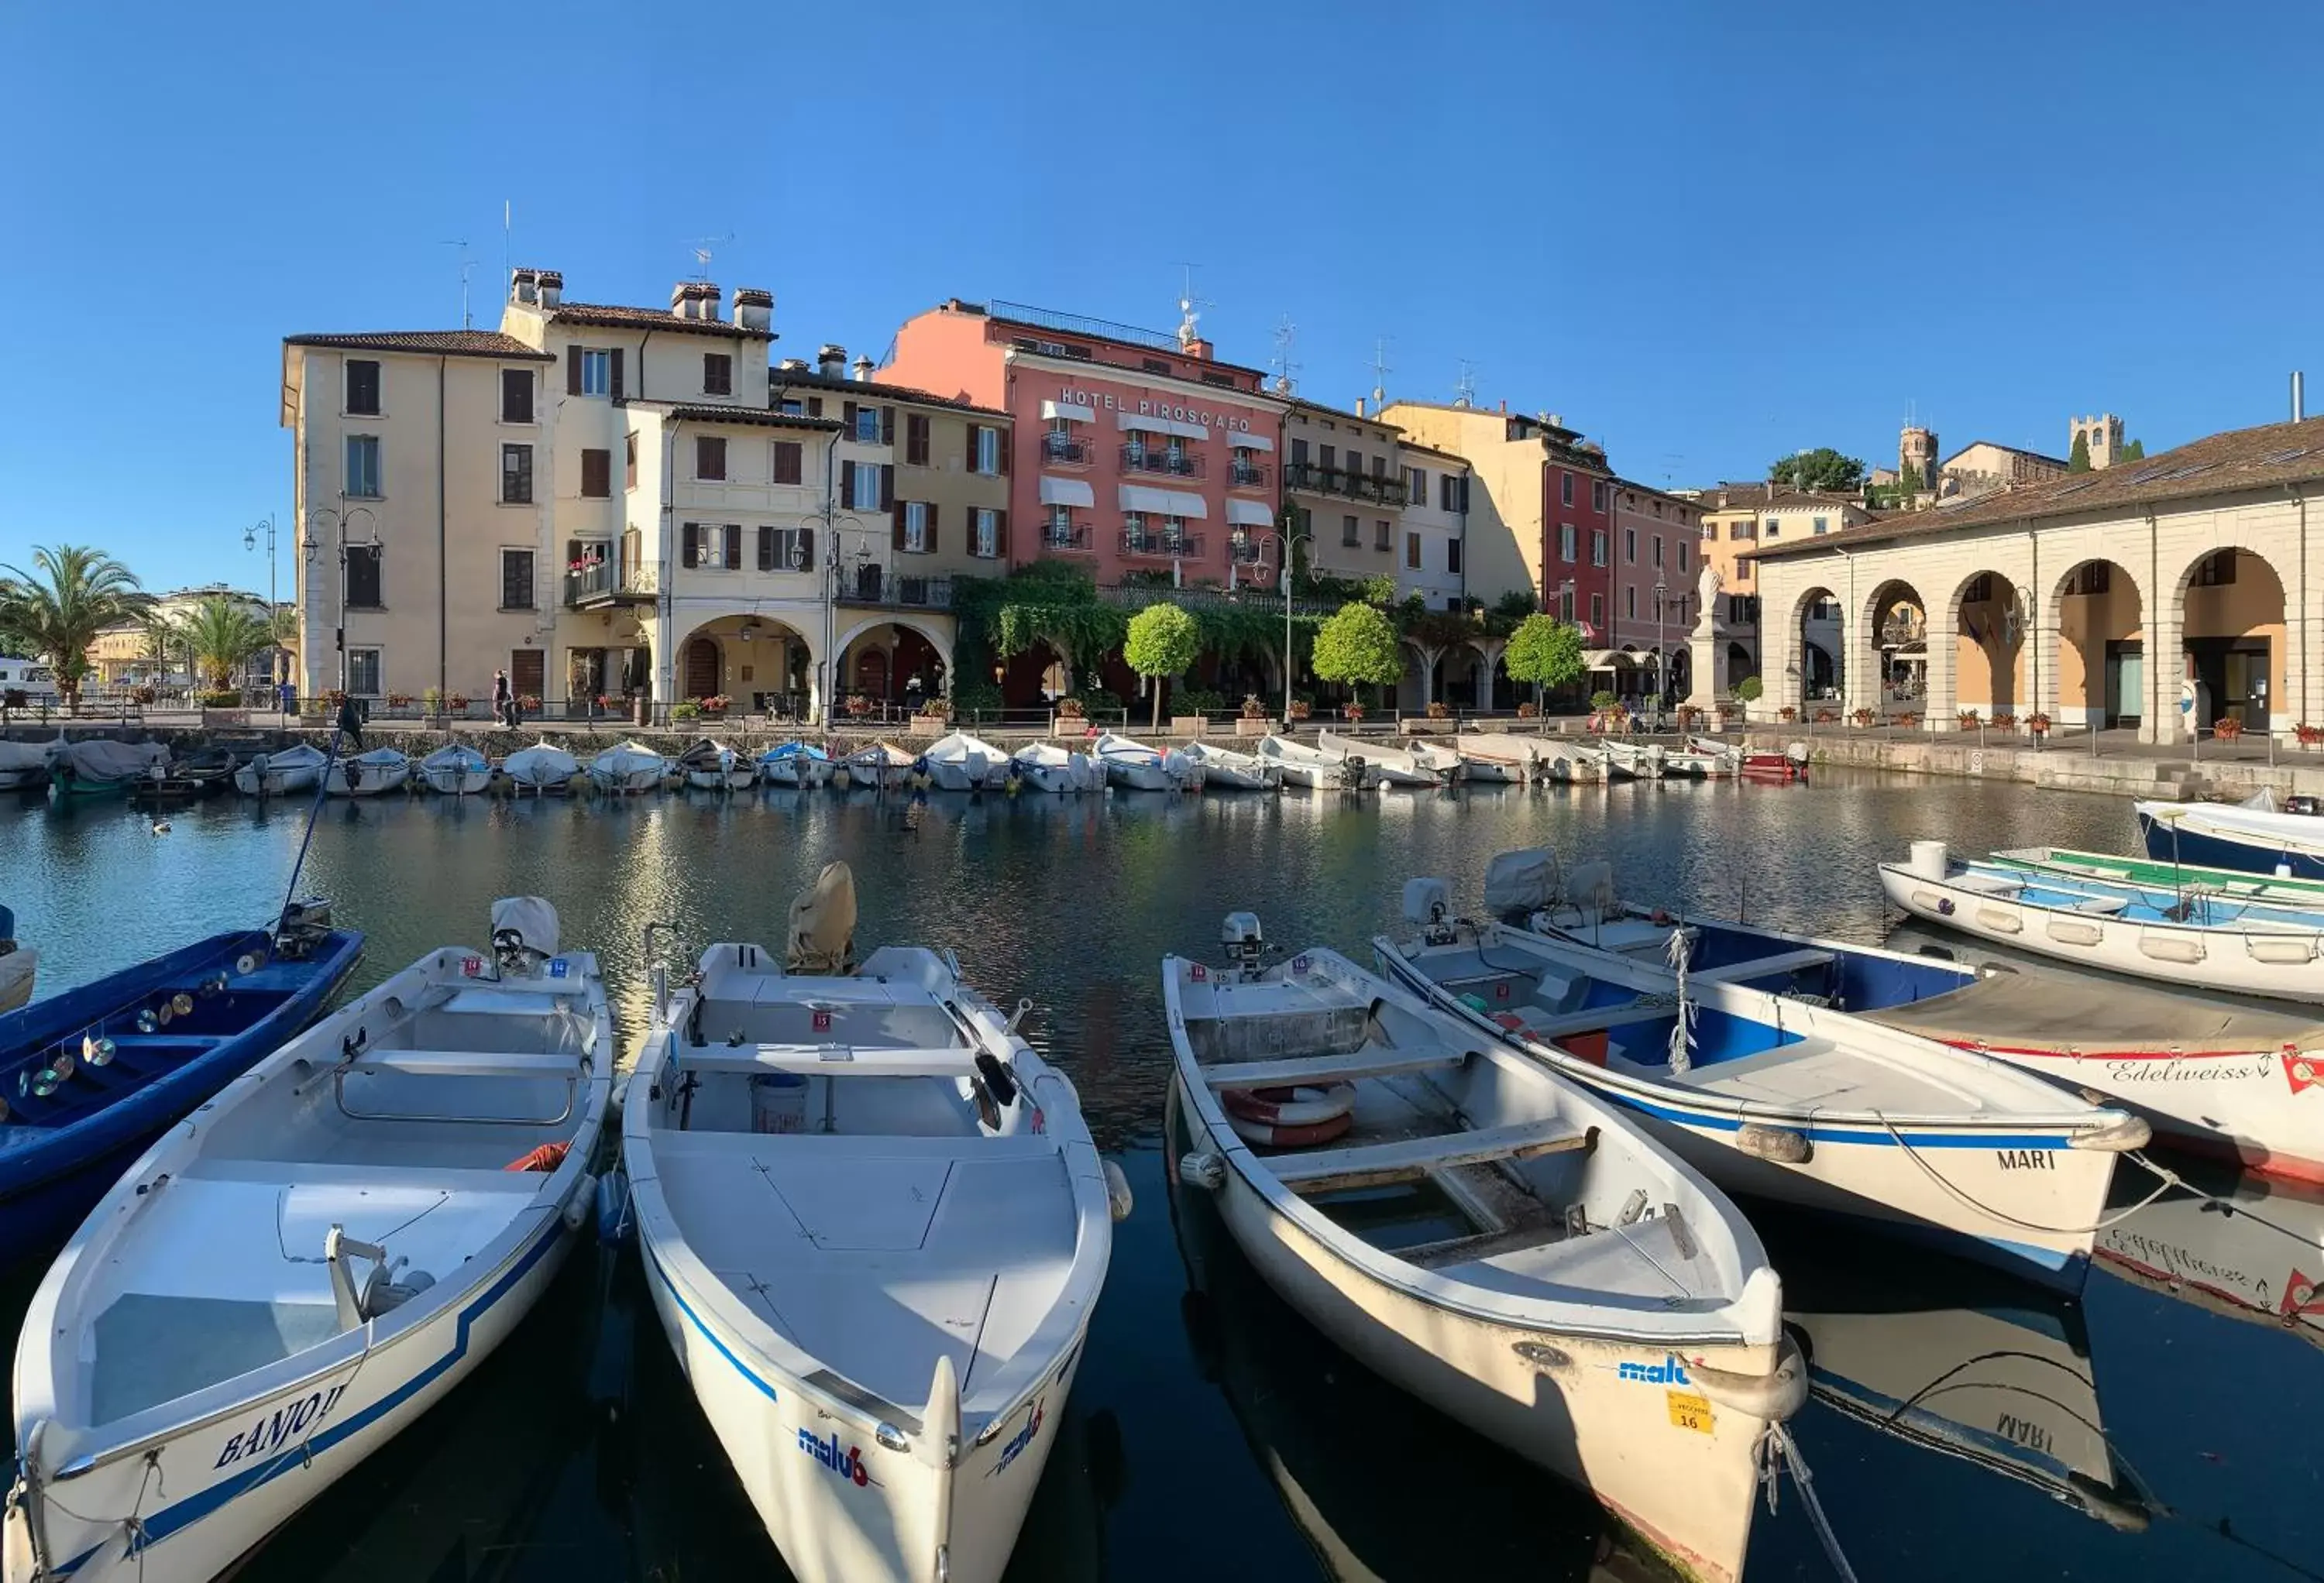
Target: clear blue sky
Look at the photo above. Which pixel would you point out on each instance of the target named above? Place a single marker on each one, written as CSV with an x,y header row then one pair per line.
x,y
1706,234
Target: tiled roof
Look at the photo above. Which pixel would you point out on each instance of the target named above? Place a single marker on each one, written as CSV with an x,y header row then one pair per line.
x,y
1997,444
781,379
757,416
429,343
611,315
1759,497
2266,457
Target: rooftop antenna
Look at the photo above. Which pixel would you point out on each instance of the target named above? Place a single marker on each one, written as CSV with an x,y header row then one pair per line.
x,y
1286,372
508,238
467,264
702,246
1380,371
1464,392
1190,308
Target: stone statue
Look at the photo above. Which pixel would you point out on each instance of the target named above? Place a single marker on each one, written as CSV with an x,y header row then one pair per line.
x,y
1707,587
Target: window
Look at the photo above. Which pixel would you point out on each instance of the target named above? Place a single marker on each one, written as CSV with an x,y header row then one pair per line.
x,y
1416,485
717,374
596,372
1155,364
867,425
1566,489
916,438
1682,560
1411,552
1174,534
1057,532
1383,535
1630,602
1565,604
1822,525
786,550
1658,509
362,388
363,467
1747,529
1568,543
1630,546
516,475
1355,464
1596,547
984,448
1328,457
1299,453
793,406
709,457
986,542
516,395
516,579
1774,525
864,487
788,457
715,545
1979,590
916,526
1658,549
1597,494
2097,578
1452,554
1380,467
1598,612
363,589
629,461
1352,532
597,476
363,672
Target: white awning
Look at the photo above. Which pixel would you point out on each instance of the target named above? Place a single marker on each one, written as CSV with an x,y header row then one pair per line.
x,y
1249,442
1146,425
1250,513
1071,412
1067,492
1162,502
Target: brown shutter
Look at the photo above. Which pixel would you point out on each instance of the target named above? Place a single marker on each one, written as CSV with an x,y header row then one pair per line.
x,y
766,547
899,515
807,549
847,483
847,416
614,383
932,527
691,554
886,425
815,406
733,547
887,483
573,371
1000,534
1000,449
972,446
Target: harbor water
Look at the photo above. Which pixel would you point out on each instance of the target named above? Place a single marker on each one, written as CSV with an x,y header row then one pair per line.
x,y
2163,1426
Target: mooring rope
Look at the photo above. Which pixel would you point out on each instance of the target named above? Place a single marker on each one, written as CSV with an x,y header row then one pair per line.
x,y
2170,1179
1778,1450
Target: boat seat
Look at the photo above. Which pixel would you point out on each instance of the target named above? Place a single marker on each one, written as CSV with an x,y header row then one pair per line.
x,y
831,1060
1789,962
1410,1159
1370,1061
467,1063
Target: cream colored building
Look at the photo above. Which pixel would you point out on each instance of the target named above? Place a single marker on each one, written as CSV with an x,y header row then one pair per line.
x,y
2174,591
1376,503
1737,519
1984,466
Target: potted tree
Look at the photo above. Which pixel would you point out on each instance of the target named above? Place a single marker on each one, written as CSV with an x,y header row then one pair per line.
x,y
1253,722
1357,646
1162,641
934,715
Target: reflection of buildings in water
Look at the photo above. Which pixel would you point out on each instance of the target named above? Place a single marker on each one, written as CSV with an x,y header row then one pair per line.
x,y
2260,1260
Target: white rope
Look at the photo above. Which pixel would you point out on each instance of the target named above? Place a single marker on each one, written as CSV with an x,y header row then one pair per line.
x,y
2170,1179
1681,1037
1778,1450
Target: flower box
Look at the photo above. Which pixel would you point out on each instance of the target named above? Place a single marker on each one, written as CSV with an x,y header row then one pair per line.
x,y
1439,709
1787,713
1187,725
1301,709
927,725
1351,712
2309,735
2037,725
1967,720
1826,717
2227,728
1248,727
1863,718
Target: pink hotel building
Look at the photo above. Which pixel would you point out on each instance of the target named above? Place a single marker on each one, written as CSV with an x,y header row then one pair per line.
x,y
1132,451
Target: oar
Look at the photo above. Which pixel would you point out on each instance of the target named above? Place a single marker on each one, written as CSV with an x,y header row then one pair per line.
x,y
322,783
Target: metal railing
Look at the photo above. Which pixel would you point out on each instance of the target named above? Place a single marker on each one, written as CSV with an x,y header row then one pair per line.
x,y
1146,541
607,581
877,586
1074,538
1067,450
1249,474
1379,488
1176,464
1073,324
1265,600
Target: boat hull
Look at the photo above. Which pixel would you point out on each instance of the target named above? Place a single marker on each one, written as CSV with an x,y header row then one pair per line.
x,y
252,782
16,971
1772,767
1230,777
1687,1493
457,783
378,781
2214,847
721,780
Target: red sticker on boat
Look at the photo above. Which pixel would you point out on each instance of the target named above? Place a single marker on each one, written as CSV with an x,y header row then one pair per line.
x,y
822,1022
2299,1069
1200,974
1500,991
470,966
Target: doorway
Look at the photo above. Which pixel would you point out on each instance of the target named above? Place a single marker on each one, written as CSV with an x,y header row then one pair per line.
x,y
702,669
2125,682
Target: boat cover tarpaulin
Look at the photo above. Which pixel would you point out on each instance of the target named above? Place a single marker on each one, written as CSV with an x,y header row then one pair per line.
x,y
1520,882
23,755
110,761
823,924
2031,1012
532,918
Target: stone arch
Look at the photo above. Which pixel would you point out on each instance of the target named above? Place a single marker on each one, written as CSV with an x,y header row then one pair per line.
x,y
765,664
1036,676
2233,630
2094,639
1893,647
1987,618
1816,648
894,658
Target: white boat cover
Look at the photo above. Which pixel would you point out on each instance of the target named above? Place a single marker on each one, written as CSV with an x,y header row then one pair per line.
x,y
20,756
458,755
1522,881
289,760
541,764
973,754
103,759
624,759
823,924
532,919
794,750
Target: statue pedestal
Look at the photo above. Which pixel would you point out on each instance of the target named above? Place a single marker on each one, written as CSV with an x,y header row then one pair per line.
x,y
1707,668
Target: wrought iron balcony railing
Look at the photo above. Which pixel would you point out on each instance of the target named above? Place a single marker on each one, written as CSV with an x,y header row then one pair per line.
x,y
1150,459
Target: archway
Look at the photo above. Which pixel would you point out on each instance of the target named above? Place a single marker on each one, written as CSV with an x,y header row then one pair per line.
x,y
1989,645
896,663
765,665
1740,663
1896,624
2231,609
1821,670
1036,676
2098,672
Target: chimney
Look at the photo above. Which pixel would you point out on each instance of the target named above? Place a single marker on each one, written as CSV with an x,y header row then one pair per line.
x,y
681,299
706,301
2299,395
1198,348
861,369
831,361
792,365
1359,406
754,310
523,285
552,288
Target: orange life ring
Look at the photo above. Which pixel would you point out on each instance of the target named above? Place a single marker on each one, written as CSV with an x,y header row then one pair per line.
x,y
1290,1117
547,1157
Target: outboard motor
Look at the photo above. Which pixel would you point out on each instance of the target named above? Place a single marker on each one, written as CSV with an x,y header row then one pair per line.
x,y
1429,904
1246,944
305,926
524,935
1351,773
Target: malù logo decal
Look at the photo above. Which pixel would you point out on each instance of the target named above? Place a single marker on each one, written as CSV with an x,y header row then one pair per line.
x,y
848,1464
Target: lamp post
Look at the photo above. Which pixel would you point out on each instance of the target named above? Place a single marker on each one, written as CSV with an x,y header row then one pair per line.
x,y
250,541
313,546
1244,538
1662,658
827,671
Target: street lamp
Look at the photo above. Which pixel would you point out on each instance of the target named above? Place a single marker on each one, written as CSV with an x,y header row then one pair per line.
x,y
1662,657
250,541
1244,539
313,546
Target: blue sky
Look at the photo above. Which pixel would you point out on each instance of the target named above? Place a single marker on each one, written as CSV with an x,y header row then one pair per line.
x,y
1706,234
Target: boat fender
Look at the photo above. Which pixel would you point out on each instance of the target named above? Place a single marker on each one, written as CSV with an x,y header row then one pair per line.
x,y
1773,1397
1202,1169
547,1157
1290,1117
1782,1145
997,1078
613,1202
1117,1191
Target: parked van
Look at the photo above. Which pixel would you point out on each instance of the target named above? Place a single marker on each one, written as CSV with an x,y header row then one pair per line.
x,y
35,680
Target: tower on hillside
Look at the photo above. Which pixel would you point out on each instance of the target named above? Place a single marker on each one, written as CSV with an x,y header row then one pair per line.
x,y
1916,454
2102,434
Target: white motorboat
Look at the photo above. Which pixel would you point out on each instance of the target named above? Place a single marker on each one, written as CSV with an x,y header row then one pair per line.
x,y
1226,768
882,764
25,764
456,771
307,1264
627,770
1497,756
713,765
284,772
961,762
874,1228
1779,1095
1594,1304
1416,766
795,764
2223,946
1137,767
1300,765
2252,836
367,775
1636,761
1049,767
543,770
1729,757
18,964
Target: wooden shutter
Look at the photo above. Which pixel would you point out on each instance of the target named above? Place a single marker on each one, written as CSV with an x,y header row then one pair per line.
x,y
932,527
916,438
766,547
886,425
973,430
787,461
1000,534
733,547
597,474
898,514
572,552
887,483
847,483
690,554
807,549
573,371
815,406
1001,450
847,416
614,380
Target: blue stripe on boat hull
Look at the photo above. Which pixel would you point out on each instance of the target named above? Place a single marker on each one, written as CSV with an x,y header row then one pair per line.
x,y
2253,856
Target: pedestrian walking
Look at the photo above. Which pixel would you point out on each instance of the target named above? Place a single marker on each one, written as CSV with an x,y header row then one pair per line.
x,y
351,721
503,701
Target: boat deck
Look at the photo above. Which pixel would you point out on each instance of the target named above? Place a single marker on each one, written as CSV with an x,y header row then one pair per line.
x,y
2028,1011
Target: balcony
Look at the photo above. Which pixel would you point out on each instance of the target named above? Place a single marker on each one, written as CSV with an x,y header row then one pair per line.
x,y
1175,464
1245,550
878,587
1249,475
1065,450
1378,488
605,583
1071,540
1148,542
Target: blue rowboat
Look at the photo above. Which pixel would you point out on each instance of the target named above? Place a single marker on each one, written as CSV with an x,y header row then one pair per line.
x,y
90,1077
2254,841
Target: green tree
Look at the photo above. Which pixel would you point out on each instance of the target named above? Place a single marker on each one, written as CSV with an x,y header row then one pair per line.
x,y
1544,651
2136,451
1163,642
1822,468
1358,645
56,615
2078,460
223,635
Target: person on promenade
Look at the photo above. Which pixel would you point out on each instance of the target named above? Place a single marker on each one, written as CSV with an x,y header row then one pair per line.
x,y
503,701
351,721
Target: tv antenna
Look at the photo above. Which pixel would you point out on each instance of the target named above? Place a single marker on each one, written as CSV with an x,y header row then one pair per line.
x,y
1464,391
702,247
1190,307
468,266
1286,372
1380,371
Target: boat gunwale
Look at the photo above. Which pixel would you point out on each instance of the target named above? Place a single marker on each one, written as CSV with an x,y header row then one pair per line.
x,y
2313,933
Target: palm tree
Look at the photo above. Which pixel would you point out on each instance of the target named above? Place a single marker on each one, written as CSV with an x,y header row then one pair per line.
x,y
57,614
222,634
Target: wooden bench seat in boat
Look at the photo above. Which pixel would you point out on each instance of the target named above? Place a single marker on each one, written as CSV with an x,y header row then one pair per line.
x,y
467,1063
1631,1261
834,1060
1319,1070
1789,962
1410,1159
